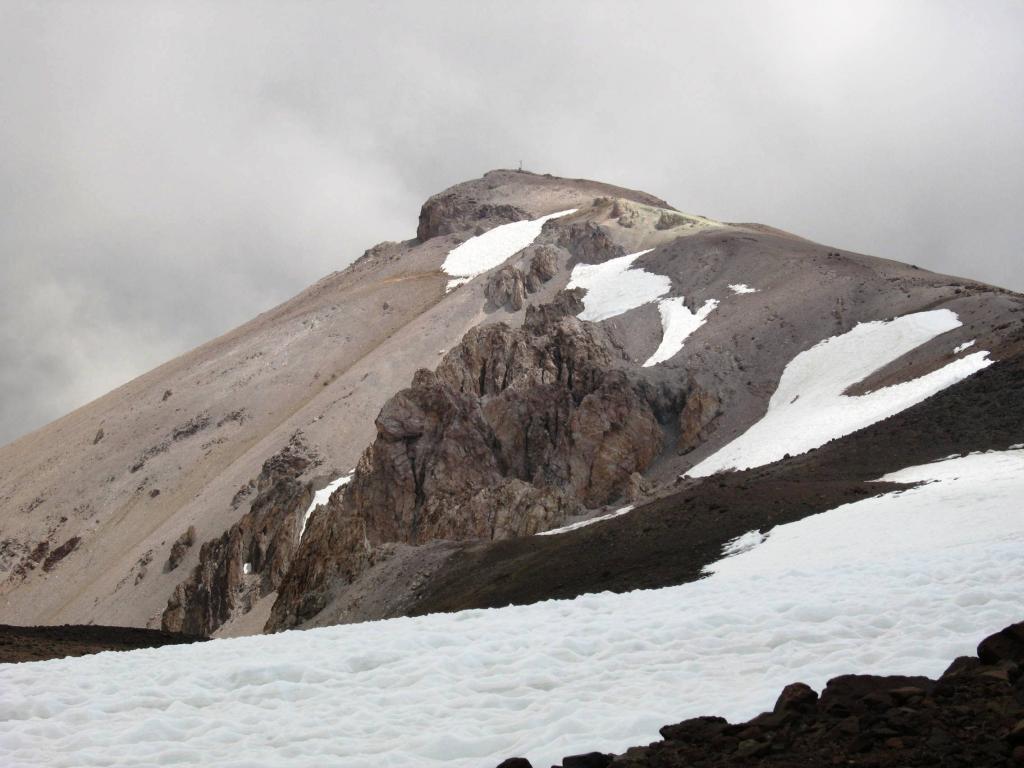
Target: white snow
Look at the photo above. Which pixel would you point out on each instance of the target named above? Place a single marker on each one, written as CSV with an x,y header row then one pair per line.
x,y
961,347
741,544
741,288
495,246
897,584
809,408
613,287
246,568
455,282
591,521
321,497
677,323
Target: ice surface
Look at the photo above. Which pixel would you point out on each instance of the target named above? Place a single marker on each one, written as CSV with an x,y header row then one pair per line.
x,y
741,288
321,497
613,287
897,584
677,323
493,247
961,347
809,408
591,521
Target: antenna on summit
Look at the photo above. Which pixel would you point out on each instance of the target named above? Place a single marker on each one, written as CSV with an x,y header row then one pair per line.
x,y
520,165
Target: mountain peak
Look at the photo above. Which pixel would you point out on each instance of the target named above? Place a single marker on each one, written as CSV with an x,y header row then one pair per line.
x,y
502,196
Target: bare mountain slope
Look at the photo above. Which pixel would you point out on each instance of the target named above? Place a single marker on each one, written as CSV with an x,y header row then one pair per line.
x,y
680,337
91,504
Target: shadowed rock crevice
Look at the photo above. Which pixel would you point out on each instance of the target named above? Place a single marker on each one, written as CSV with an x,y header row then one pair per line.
x,y
250,559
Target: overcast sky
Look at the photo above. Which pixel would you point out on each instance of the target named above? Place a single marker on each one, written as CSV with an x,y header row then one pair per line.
x,y
169,170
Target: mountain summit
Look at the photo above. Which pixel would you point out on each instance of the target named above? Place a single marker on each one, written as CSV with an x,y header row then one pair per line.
x,y
546,353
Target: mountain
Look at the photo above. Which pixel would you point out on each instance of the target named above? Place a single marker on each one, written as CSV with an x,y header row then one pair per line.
x,y
546,350
681,462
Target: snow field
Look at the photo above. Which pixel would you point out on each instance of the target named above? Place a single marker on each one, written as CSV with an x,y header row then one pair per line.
x,y
493,248
897,584
614,287
809,408
677,323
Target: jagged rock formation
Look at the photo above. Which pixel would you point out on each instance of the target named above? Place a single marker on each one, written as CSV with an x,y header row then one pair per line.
x,y
249,560
516,430
970,717
509,286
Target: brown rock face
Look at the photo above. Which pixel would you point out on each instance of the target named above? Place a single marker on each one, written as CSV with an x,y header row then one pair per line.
x,y
453,211
696,420
180,547
249,560
514,432
509,286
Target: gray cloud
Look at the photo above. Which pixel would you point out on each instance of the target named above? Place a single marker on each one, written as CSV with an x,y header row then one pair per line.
x,y
169,170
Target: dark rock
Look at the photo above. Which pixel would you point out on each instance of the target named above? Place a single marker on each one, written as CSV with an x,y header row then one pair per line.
x,y
515,762
1007,645
589,760
796,697
1016,734
60,553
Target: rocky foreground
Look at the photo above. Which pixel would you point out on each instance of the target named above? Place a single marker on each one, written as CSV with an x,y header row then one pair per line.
x,y
971,717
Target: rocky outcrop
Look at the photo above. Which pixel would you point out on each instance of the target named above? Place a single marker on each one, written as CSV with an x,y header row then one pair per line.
x,y
696,419
516,430
509,286
971,717
588,242
452,211
249,560
180,548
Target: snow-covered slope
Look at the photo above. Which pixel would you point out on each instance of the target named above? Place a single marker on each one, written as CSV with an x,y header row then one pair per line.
x,y
809,408
899,583
493,248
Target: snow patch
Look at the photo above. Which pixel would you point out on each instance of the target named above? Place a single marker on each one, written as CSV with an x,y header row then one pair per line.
x,y
896,584
961,347
454,283
741,288
493,248
677,323
743,543
613,287
321,497
809,408
585,523
246,569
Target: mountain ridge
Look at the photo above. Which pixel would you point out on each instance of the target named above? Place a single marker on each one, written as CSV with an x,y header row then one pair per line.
x,y
183,445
